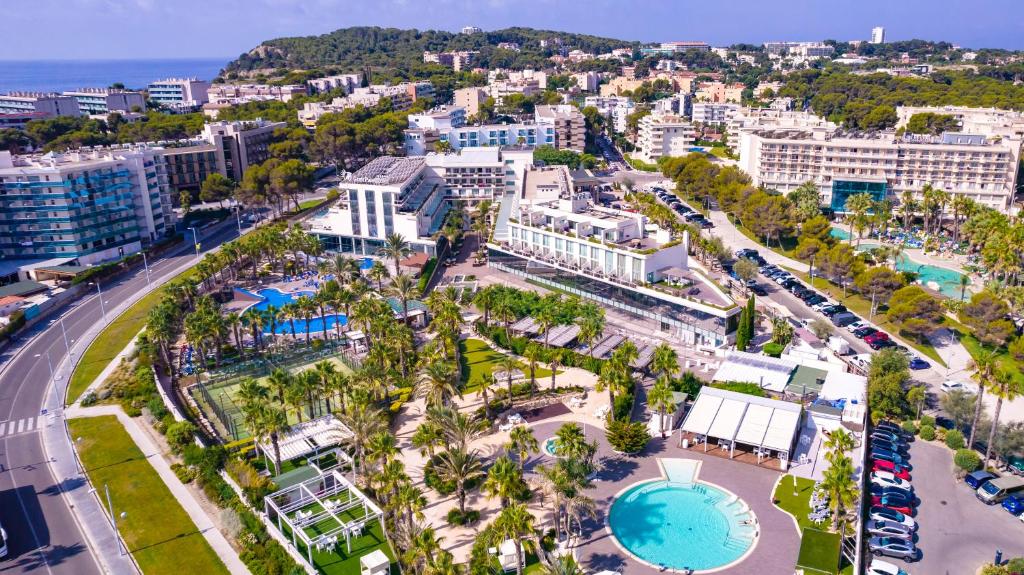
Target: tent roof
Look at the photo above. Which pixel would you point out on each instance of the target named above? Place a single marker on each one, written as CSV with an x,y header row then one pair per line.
x,y
747,419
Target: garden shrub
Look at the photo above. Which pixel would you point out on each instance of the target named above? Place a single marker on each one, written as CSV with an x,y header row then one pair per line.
x,y
623,407
741,387
967,460
927,420
179,434
927,432
909,427
254,485
772,349
185,473
955,439
456,517
626,436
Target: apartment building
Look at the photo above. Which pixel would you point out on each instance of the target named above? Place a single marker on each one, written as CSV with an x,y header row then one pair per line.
x,y
804,50
472,29
670,48
470,99
441,118
401,97
45,105
240,93
587,81
989,121
719,92
475,174
713,113
552,234
346,82
566,122
877,35
616,108
458,61
664,135
189,162
881,163
103,101
180,94
240,144
91,205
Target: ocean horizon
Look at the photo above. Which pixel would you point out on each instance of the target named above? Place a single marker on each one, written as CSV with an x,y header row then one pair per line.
x,y
61,75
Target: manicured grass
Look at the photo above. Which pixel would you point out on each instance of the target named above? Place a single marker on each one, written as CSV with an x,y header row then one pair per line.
x,y
861,306
158,532
339,561
975,348
640,164
310,203
478,358
719,151
819,551
799,505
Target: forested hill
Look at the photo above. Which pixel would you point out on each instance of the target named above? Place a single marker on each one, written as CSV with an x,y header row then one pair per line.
x,y
352,49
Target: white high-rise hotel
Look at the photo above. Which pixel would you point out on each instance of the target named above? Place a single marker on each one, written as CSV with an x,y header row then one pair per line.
x,y
878,35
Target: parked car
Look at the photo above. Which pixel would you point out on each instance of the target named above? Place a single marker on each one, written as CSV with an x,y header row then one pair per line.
x,y
892,516
884,444
878,491
875,336
834,310
918,363
887,479
759,290
953,385
881,344
843,319
886,435
896,501
864,332
706,224
998,489
815,299
893,547
888,529
1016,465
1014,504
879,567
880,453
896,468
889,426
976,479
746,252
783,279
822,305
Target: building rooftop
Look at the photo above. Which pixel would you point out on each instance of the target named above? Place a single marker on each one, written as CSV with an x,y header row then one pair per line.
x,y
465,157
387,171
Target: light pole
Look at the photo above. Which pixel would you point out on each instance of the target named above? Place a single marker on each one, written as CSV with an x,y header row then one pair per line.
x,y
238,219
145,264
103,308
48,363
113,520
65,334
195,240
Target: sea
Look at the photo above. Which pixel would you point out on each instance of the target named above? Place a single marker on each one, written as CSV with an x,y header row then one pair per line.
x,y
61,75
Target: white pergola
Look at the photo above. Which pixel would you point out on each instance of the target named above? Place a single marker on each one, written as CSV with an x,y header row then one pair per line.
x,y
309,438
322,501
730,417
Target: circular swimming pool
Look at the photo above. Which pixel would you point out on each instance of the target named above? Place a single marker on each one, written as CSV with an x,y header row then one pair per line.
x,y
550,447
682,526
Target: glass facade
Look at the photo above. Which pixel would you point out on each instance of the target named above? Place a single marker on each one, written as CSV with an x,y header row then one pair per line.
x,y
843,189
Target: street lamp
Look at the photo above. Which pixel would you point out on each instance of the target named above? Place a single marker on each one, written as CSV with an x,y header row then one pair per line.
x,y
103,308
145,264
65,334
195,240
238,218
49,363
113,519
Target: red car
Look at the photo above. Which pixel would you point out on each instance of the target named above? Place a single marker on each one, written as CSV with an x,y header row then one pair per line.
x,y
883,465
875,337
902,472
895,503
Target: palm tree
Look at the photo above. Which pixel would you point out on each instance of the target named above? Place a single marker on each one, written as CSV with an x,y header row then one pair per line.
x,y
665,361
411,501
660,399
486,383
363,421
395,247
532,353
507,364
985,368
908,205
591,328
838,443
325,371
546,318
554,363
381,447
515,522
424,544
443,563
1005,388
504,481
611,380
576,508
522,442
838,483
295,398
572,443
270,423
459,466
378,273
405,288
457,429
438,383
280,380
427,438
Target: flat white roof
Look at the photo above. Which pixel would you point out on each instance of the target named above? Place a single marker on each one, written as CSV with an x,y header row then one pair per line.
x,y
767,372
702,414
747,419
781,430
728,420
842,385
755,425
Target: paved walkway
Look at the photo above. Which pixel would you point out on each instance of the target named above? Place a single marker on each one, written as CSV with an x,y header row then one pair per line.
x,y
180,492
736,241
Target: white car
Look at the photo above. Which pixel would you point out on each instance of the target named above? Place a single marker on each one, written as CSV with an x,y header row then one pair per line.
x,y
862,360
887,529
857,325
892,516
822,305
879,567
886,479
953,385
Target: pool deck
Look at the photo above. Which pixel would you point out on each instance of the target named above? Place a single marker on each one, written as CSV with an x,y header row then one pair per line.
x,y
777,546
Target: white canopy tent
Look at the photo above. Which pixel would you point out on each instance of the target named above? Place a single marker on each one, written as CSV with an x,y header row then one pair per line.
x,y
307,438
730,417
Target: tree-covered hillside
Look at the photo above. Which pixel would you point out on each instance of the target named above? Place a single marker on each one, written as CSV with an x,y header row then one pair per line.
x,y
353,49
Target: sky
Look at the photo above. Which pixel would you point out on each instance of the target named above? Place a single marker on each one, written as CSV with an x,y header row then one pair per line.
x,y
143,29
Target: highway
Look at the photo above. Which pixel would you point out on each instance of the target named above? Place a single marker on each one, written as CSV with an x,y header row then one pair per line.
x,y
44,536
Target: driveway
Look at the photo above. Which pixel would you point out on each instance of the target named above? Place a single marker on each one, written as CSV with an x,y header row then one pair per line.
x,y
957,532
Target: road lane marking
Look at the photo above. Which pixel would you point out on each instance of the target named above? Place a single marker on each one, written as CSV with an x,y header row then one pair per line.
x,y
2,425
21,425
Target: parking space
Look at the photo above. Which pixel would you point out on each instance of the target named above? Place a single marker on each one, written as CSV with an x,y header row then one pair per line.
x,y
957,533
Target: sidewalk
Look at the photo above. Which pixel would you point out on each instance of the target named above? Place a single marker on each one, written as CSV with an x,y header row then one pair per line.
x,y
181,493
736,241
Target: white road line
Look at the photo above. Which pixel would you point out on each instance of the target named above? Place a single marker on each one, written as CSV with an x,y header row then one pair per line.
x,y
40,422
2,425
21,425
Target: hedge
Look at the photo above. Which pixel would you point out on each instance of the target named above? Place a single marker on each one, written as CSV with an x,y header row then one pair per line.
x,y
428,271
955,439
967,459
927,432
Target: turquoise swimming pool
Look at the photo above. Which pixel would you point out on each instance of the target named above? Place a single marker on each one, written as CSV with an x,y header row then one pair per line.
x,y
691,526
943,280
272,297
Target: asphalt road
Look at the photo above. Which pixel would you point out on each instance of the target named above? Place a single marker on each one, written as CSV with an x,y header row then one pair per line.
x,y
43,534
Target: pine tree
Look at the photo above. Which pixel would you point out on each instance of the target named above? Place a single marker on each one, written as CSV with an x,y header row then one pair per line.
x,y
745,330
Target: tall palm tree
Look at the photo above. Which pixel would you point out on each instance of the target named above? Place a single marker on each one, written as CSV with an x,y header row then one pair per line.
x,y
427,438
515,522
522,442
665,361
507,364
985,368
395,247
378,273
326,371
438,383
280,380
533,353
411,501
572,443
555,359
459,466
270,423
295,398
1005,388
486,384
838,443
908,206
504,481
838,483
405,288
661,400
363,421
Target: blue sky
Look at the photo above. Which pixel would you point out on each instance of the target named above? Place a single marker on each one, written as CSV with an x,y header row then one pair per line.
x,y
224,28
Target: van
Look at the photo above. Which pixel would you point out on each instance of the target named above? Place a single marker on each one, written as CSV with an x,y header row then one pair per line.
x,y
1000,488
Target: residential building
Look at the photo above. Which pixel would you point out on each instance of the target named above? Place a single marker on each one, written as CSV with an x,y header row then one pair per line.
x,y
988,121
103,101
18,120
719,92
458,61
189,162
241,93
475,174
616,108
713,113
804,50
346,82
419,141
566,122
442,118
670,48
48,105
663,135
470,99
471,30
513,46
179,93
878,35
587,81
554,235
240,144
92,205
401,97
884,164
670,65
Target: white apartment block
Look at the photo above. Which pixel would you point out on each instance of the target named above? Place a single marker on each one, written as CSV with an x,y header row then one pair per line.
x,y
458,61
669,48
802,50
401,96
882,164
346,82
471,30
567,124
713,113
878,35
39,104
442,118
475,174
617,108
555,235
663,135
988,121
179,93
587,81
420,141
103,101
240,93
504,74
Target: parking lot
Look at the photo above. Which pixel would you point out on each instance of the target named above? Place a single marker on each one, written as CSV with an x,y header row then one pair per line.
x,y
957,533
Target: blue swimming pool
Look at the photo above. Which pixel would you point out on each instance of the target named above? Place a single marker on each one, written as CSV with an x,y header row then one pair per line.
x,y
277,298
682,526
943,280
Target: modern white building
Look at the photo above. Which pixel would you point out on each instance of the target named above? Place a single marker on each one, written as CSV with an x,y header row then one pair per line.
x,y
669,48
560,126
40,105
475,174
803,50
240,93
346,82
240,144
663,135
616,108
472,30
90,205
878,35
442,118
552,234
716,113
567,124
102,101
988,121
882,164
179,93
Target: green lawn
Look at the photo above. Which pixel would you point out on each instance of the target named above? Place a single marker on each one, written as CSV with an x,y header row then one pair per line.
x,y
340,561
819,551
310,203
719,151
974,347
158,532
861,306
110,342
478,358
799,505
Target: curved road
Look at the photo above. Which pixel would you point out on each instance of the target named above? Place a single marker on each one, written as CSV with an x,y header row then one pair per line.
x,y
44,536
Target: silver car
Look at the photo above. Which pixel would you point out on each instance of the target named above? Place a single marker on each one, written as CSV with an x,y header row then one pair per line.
x,y
883,528
893,547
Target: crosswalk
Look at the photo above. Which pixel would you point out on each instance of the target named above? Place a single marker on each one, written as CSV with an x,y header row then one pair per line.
x,y
24,425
